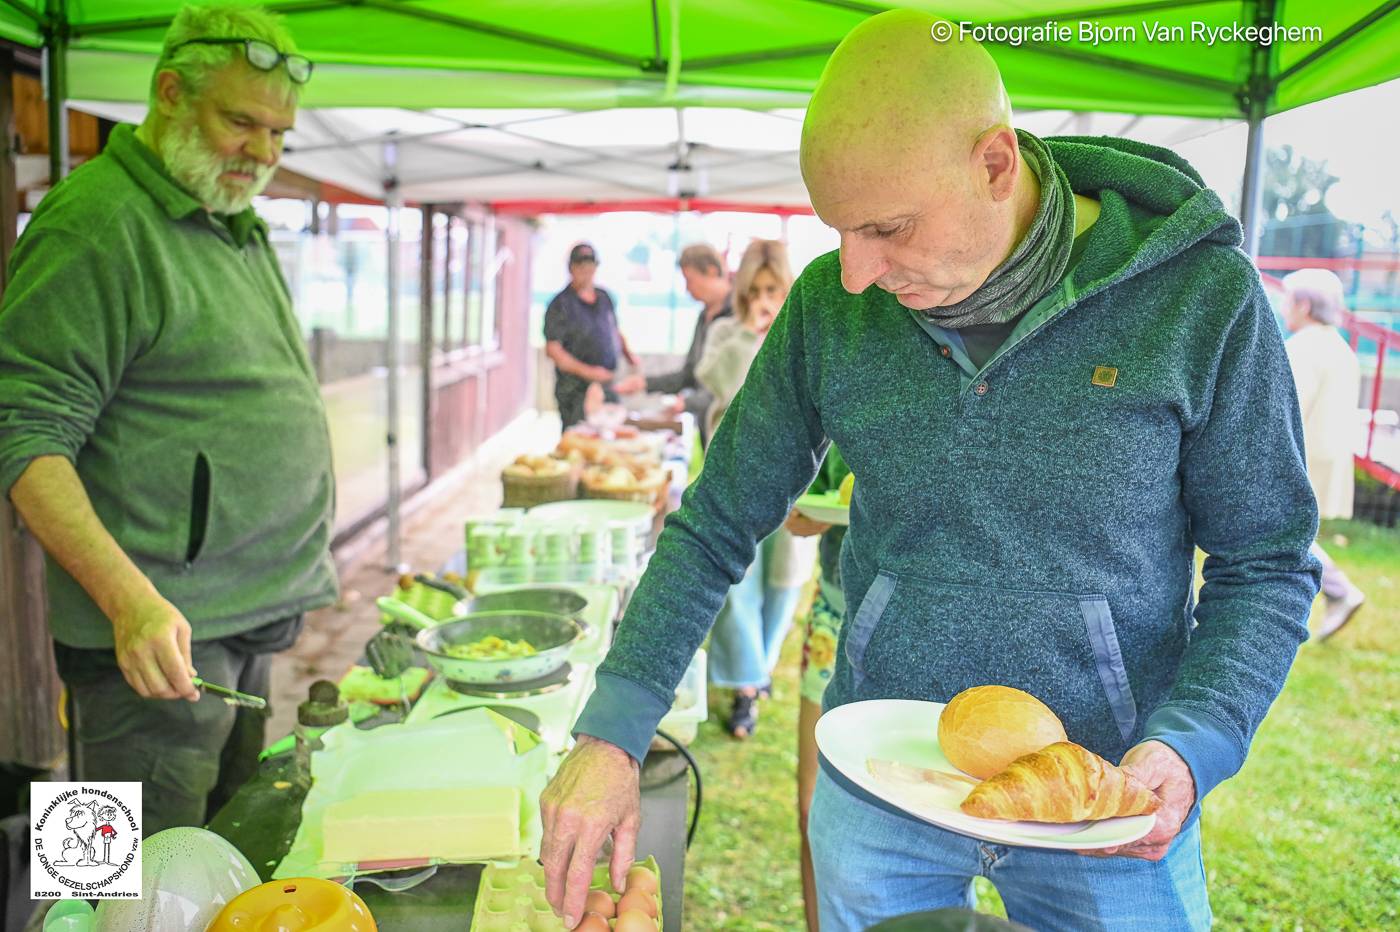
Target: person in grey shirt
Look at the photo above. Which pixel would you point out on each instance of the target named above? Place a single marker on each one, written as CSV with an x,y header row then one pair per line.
x,y
707,281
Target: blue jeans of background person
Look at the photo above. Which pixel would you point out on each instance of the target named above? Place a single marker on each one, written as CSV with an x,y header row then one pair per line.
x,y
872,864
749,631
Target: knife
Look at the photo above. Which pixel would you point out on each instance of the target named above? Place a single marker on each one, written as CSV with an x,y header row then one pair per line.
x,y
232,696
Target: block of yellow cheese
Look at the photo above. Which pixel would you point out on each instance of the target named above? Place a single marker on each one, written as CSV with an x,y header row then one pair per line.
x,y
455,824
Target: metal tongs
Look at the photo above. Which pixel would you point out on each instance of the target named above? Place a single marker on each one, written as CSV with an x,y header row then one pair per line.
x,y
231,696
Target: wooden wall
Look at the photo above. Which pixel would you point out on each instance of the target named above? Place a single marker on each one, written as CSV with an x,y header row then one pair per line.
x,y
29,685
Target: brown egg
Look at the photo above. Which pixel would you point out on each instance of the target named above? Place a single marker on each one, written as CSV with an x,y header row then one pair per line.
x,y
600,902
642,879
638,901
592,922
634,921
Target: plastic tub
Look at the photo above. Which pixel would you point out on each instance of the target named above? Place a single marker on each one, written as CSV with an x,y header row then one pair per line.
x,y
691,706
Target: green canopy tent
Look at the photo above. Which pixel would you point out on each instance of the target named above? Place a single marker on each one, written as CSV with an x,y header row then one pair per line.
x,y
593,54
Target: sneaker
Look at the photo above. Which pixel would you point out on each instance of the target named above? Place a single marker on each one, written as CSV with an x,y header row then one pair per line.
x,y
743,715
1339,612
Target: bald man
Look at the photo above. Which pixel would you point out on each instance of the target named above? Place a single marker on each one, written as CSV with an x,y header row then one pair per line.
x,y
1055,374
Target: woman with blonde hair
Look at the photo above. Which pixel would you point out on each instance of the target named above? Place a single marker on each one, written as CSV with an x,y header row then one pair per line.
x,y
758,611
760,287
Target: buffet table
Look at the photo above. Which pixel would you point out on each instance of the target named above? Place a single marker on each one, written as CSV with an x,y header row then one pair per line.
x,y
264,817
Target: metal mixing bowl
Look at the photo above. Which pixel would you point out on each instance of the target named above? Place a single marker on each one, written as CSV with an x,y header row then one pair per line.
x,y
551,635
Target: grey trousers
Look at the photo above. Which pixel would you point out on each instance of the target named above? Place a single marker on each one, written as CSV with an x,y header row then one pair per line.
x,y
190,757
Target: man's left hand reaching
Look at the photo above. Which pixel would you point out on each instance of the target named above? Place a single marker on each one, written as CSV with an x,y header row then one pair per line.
x,y
1169,779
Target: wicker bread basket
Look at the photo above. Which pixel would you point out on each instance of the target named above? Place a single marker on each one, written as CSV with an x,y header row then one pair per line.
x,y
528,491
653,492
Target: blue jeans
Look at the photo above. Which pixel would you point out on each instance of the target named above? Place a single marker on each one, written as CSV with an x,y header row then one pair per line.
x,y
749,631
872,865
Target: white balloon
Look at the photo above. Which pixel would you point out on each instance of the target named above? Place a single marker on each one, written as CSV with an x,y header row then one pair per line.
x,y
187,876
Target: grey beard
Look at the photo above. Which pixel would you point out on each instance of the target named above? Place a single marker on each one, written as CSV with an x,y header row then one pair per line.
x,y
1037,262
196,168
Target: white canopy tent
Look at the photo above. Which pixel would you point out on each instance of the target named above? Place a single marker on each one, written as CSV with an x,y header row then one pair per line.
x,y
743,157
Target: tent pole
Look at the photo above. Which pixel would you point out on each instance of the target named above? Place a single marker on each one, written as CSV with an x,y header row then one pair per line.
x,y
1255,105
425,336
393,200
1251,193
56,81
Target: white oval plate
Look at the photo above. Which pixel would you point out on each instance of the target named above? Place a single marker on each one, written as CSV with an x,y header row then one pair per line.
x,y
826,508
905,731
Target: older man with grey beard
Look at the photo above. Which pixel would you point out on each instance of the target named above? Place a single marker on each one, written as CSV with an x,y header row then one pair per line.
x,y
161,429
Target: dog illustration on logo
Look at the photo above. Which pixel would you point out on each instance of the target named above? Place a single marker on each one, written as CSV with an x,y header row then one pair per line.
x,y
82,821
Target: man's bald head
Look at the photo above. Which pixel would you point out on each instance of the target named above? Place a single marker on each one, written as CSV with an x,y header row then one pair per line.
x,y
908,152
889,91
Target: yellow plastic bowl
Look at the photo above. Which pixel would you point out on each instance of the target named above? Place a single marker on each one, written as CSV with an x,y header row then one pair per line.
x,y
302,904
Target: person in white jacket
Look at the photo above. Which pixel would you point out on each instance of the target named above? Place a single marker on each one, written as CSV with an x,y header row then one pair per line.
x,y
1329,384
757,612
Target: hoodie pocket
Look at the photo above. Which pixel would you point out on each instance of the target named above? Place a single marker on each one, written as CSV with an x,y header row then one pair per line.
x,y
915,638
199,509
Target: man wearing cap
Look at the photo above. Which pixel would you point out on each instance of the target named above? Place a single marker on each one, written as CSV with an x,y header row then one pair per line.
x,y
583,340
161,429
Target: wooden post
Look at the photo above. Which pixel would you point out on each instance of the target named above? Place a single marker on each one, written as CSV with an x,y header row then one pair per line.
x,y
30,733
9,196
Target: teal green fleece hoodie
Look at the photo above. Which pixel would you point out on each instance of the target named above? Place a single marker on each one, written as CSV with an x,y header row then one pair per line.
x,y
1033,523
154,346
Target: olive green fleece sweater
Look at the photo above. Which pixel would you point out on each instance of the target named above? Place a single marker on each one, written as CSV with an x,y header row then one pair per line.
x,y
154,346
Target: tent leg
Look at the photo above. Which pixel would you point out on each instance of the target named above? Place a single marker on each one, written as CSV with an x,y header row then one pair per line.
x,y
1255,106
425,337
1251,191
393,200
56,81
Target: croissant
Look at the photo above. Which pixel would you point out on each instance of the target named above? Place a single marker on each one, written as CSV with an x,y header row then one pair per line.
x,y
1061,782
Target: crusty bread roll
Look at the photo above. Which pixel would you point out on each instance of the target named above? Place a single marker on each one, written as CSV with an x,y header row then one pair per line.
x,y
985,728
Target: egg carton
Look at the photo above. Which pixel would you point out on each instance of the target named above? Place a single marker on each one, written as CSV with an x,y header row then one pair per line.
x,y
511,897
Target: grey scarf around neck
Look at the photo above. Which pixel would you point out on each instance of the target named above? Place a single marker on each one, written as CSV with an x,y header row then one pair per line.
x,y
1037,262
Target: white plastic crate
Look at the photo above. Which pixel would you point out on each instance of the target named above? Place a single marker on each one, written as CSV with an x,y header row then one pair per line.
x,y
691,706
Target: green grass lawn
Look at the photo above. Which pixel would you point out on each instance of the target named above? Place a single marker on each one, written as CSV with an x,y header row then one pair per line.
x,y
1306,837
